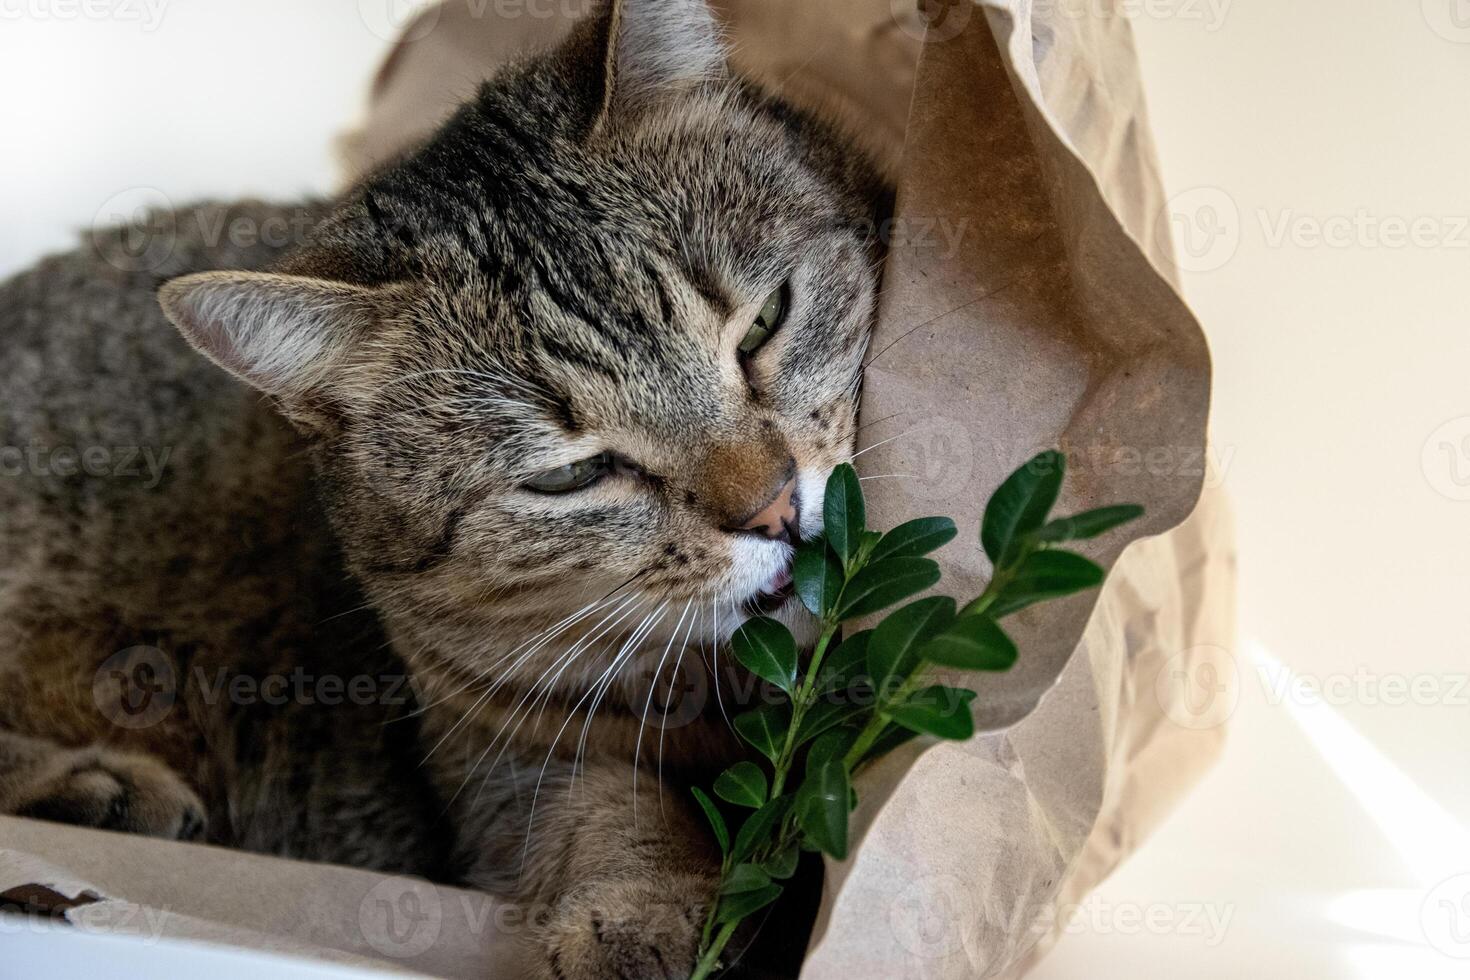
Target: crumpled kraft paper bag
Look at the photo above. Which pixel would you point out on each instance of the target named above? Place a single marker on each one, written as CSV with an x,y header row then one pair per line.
x,y
1028,303
176,897
1026,306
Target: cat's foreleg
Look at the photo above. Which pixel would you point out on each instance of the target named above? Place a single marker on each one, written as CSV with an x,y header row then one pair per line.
x,y
618,868
96,787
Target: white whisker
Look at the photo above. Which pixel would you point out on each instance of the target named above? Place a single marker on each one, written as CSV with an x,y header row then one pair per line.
x,y
629,649
664,721
882,443
603,682
493,688
643,722
566,659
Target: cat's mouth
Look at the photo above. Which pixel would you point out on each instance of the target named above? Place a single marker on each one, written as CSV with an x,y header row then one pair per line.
x,y
773,596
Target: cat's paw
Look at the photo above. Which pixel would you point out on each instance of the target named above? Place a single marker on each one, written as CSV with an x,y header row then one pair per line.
x,y
633,930
119,791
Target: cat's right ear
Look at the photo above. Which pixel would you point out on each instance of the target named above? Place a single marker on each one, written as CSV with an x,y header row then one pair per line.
x,y
630,54
292,337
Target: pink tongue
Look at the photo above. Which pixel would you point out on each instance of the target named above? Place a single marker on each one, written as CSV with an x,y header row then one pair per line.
x,y
780,581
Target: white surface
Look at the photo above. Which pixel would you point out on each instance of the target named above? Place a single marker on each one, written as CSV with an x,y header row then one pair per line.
x,y
1339,359
1342,417
33,950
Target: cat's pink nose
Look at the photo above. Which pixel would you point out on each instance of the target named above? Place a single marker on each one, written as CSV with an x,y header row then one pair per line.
x,y
777,519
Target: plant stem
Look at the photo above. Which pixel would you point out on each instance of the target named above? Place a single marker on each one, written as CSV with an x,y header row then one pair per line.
x,y
975,607
998,581
879,721
779,770
799,704
711,956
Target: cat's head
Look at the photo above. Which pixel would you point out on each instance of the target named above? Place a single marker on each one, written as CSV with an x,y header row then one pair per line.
x,y
592,350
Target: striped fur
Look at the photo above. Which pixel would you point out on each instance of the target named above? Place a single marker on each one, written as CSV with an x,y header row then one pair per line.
x,y
566,268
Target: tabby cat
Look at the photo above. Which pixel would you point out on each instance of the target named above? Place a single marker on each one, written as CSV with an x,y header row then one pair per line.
x,y
537,411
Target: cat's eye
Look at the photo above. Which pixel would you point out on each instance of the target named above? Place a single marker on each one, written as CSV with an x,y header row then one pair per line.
x,y
767,321
573,476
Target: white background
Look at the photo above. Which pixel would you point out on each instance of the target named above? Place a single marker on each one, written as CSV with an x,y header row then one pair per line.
x,y
1302,141
1338,359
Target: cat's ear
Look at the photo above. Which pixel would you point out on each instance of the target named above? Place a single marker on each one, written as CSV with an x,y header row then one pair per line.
x,y
289,336
631,54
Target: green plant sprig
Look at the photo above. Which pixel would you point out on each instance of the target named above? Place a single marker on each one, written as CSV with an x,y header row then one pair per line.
x,y
849,573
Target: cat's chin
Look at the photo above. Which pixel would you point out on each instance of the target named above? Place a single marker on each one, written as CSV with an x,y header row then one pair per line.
x,y
765,603
789,611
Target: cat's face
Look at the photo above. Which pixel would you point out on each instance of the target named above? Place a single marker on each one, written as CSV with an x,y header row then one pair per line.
x,y
577,360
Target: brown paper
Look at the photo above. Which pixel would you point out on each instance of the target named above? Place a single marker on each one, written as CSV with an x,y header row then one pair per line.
x,y
167,895
1023,309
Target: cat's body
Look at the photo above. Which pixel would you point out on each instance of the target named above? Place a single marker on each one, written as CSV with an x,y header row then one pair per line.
x,y
557,288
165,557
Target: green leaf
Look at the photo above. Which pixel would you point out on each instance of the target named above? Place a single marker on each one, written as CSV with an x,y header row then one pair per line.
x,y
938,710
742,784
824,715
818,576
1088,524
843,513
1045,575
782,864
767,650
716,821
757,828
915,538
883,583
971,643
1020,505
844,665
831,746
744,878
821,808
893,652
765,728
733,908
